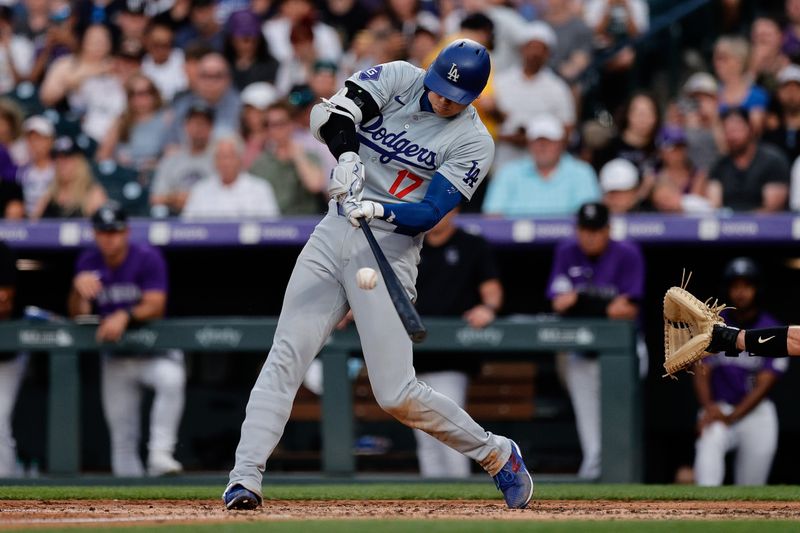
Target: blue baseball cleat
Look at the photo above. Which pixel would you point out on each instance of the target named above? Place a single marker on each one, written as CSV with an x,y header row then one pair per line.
x,y
514,481
239,498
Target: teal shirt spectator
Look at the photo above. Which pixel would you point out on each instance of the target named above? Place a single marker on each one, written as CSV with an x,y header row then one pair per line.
x,y
519,190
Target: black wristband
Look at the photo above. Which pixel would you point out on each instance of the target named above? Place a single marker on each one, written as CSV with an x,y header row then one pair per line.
x,y
131,319
768,342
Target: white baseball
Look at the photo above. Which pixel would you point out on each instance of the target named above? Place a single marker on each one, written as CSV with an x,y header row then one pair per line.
x,y
366,278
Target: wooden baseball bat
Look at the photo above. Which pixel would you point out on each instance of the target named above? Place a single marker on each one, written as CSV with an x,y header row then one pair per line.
x,y
402,303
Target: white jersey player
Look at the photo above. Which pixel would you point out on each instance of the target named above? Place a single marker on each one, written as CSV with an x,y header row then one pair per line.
x,y
422,148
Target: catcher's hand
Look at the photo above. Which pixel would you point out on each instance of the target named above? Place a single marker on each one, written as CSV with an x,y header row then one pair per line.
x,y
689,328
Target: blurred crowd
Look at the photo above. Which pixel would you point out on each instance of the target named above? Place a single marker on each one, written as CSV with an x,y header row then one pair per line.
x,y
200,108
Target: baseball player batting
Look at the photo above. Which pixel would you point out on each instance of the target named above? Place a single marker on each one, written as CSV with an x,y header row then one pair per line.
x,y
422,147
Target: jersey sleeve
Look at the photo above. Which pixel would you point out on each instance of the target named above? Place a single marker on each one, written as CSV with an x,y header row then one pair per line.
x,y
386,80
467,163
631,280
487,266
86,262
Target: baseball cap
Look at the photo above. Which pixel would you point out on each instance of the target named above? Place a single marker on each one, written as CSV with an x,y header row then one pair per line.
x,y
259,95
701,82
671,136
39,124
134,7
545,127
200,108
244,23
301,96
110,217
619,175
593,215
789,74
325,65
64,145
537,31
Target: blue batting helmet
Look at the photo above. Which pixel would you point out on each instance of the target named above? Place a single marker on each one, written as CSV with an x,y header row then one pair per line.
x,y
460,71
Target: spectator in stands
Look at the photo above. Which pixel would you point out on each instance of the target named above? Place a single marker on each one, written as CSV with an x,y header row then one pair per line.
x,y
73,193
736,86
179,171
246,51
125,283
137,138
733,388
12,366
549,181
203,27
213,88
16,53
131,19
32,20
785,132
572,51
346,17
408,15
753,176
700,109
296,69
294,174
230,192
621,184
302,99
766,57
509,25
523,92
594,276
12,146
614,22
379,42
87,84
323,81
679,186
36,176
60,38
12,206
256,99
636,140
193,54
277,31
791,32
457,277
163,63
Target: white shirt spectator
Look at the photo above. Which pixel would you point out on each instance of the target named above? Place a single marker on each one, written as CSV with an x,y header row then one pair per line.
x,y
521,99
20,52
246,197
102,100
169,77
593,11
326,40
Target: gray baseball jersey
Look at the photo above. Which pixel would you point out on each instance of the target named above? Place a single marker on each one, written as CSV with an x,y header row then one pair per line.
x,y
401,149
404,146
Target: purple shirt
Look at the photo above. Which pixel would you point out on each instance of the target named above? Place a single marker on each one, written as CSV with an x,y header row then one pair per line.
x,y
619,270
144,269
732,378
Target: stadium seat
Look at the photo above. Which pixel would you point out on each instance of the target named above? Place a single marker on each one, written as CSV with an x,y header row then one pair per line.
x,y
125,185
26,96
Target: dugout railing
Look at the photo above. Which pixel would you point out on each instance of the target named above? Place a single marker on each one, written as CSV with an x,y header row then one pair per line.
x,y
613,341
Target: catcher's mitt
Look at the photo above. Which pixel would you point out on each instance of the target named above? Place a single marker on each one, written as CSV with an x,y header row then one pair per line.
x,y
688,324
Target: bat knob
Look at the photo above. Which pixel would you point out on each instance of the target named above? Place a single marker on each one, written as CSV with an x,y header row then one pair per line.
x,y
418,336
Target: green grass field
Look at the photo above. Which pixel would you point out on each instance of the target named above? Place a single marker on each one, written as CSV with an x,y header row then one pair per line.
x,y
425,491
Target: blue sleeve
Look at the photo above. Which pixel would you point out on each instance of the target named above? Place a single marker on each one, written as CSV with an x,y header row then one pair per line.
x,y
440,199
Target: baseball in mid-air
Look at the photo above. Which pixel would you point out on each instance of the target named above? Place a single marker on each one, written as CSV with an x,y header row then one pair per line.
x,y
366,278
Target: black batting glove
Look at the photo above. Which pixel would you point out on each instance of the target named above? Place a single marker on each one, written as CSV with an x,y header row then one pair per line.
x,y
723,339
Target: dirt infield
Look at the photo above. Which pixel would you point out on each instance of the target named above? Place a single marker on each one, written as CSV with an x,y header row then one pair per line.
x,y
33,513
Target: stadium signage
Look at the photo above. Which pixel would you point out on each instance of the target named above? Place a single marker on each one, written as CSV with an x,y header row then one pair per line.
x,y
228,337
59,338
581,336
487,336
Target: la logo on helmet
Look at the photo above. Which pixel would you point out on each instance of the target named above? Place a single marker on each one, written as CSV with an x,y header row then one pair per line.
x,y
453,74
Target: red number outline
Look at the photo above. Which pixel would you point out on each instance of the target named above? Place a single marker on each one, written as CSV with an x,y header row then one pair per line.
x,y
416,182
